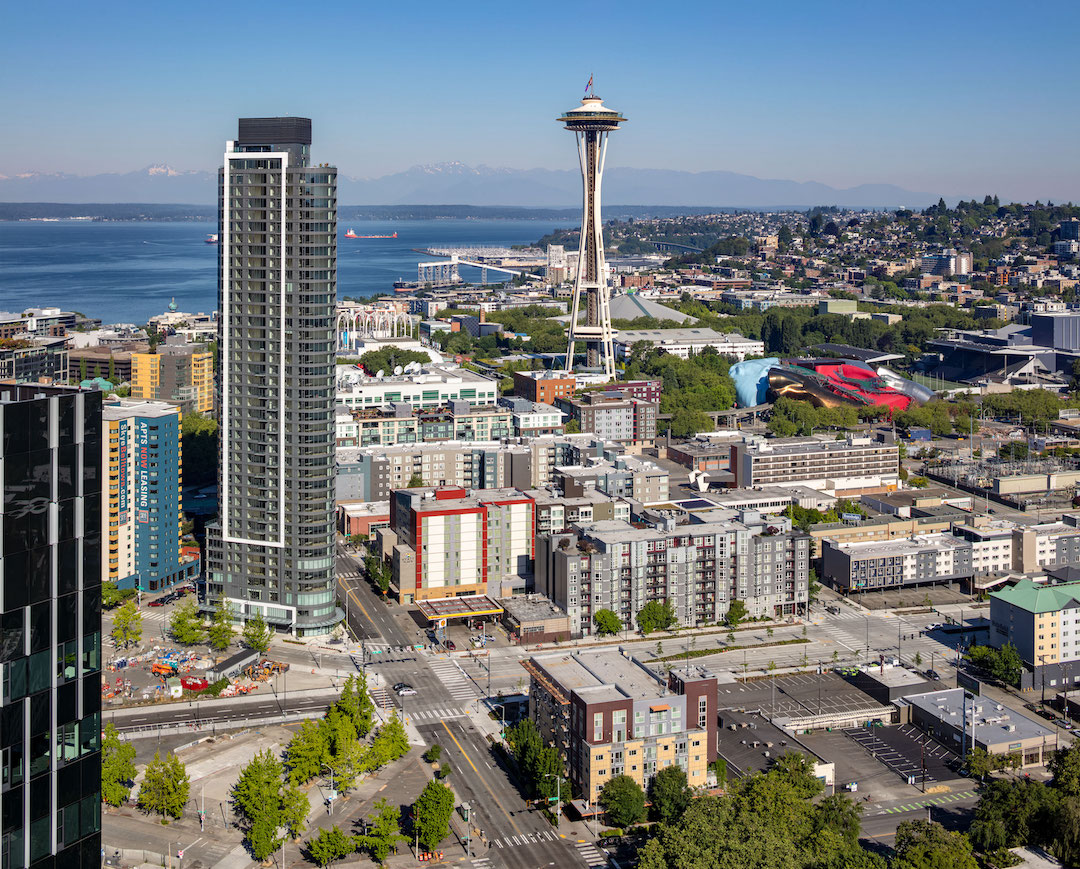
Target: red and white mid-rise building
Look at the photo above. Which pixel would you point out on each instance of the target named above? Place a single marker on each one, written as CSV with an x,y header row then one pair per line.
x,y
453,543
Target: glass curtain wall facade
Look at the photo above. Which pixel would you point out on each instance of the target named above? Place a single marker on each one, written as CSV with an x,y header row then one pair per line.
x,y
50,634
272,547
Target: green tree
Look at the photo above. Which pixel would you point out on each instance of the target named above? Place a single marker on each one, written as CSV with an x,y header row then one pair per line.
x,y
127,626
607,622
356,703
221,628
264,804
623,800
572,427
736,613
926,845
186,625
257,633
382,832
117,767
165,786
306,752
979,762
431,814
330,845
1064,767
415,481
656,616
669,794
433,754
1010,665
294,810
112,596
1015,812
348,756
390,742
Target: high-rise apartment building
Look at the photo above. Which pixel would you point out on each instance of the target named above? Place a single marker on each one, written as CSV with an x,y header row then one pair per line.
x,y
143,508
50,627
272,547
180,373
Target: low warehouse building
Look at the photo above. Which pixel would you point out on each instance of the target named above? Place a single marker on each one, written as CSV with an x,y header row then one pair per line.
x,y
962,723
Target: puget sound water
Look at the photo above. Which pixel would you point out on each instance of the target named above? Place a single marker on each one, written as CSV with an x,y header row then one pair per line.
x,y
126,272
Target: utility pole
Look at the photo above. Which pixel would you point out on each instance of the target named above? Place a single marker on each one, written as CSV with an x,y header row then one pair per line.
x,y
922,745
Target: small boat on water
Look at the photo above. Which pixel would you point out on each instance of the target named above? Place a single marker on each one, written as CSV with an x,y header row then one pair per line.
x,y
211,238
352,234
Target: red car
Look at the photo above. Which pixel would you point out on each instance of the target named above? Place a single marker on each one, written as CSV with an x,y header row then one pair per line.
x,y
159,601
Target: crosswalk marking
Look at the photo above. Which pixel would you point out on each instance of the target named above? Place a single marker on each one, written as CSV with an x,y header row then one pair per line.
x,y
525,839
592,855
437,714
381,698
481,862
453,680
922,804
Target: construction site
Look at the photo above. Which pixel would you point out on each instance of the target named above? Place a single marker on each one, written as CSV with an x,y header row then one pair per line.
x,y
161,674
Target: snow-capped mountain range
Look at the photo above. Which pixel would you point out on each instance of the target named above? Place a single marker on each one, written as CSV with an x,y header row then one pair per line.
x,y
458,184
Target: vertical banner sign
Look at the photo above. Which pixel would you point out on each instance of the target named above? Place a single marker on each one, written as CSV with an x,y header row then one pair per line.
x,y
122,468
143,461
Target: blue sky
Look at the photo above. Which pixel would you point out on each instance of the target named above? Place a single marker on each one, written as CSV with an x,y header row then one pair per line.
x,y
949,97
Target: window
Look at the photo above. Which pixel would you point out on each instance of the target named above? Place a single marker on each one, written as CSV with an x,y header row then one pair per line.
x,y
703,712
598,726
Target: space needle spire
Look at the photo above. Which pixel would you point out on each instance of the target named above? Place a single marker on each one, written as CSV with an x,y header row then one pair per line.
x,y
590,123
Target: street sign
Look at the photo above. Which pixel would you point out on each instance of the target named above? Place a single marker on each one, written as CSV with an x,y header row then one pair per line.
x,y
553,799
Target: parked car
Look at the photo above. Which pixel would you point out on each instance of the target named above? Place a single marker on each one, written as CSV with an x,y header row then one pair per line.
x,y
406,690
933,674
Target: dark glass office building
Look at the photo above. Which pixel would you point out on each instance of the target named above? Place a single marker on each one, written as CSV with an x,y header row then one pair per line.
x,y
50,634
271,549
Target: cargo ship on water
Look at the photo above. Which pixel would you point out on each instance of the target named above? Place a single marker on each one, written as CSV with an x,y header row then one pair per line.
x,y
352,234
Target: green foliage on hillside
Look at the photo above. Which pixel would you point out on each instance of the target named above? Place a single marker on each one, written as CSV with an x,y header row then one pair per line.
x,y
691,386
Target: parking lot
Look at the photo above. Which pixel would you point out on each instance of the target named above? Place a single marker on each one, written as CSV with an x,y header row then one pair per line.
x,y
903,749
796,695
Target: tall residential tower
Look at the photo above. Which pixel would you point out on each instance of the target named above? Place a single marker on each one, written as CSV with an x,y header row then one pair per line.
x,y
591,122
272,547
50,627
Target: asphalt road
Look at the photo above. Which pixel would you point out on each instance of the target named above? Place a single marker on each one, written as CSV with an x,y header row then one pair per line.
x,y
215,712
369,617
954,811
518,837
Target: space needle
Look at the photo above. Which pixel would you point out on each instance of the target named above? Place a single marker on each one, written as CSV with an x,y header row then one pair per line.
x,y
590,123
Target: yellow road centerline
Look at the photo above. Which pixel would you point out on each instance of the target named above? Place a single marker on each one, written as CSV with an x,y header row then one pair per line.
x,y
484,783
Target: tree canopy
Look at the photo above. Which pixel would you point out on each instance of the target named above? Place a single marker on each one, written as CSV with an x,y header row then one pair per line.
x,y
656,616
623,800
